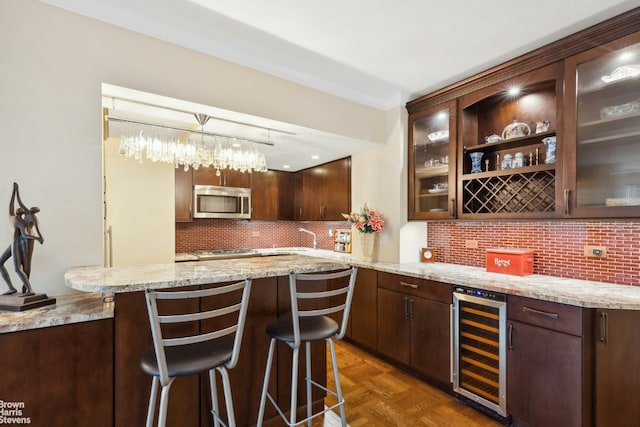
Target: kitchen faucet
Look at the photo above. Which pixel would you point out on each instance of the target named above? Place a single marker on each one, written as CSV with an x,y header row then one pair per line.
x,y
315,241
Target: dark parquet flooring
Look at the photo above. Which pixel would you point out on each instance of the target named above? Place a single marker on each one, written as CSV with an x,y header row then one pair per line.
x,y
377,394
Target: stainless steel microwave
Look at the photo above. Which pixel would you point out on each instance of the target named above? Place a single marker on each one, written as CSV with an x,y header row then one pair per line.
x,y
211,201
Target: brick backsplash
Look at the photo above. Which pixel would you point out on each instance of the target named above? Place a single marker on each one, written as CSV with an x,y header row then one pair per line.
x,y
229,233
558,246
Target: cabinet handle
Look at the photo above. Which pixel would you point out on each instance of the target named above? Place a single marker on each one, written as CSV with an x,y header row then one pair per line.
x,y
411,308
567,193
406,307
604,327
540,312
510,332
408,285
453,208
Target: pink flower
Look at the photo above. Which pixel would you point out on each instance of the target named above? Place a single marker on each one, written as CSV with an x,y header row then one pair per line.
x,y
376,223
366,221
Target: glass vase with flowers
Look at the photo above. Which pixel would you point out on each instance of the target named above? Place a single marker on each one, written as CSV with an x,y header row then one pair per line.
x,y
369,223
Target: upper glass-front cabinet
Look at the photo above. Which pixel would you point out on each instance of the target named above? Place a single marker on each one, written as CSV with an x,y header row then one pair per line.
x,y
603,119
432,136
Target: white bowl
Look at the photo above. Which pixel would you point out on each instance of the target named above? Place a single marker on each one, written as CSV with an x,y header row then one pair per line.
x,y
438,136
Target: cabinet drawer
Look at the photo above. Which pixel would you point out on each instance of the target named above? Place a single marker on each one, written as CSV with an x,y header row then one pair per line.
x,y
429,289
546,314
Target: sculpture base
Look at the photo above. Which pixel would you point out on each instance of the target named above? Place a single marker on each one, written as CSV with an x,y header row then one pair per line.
x,y
17,302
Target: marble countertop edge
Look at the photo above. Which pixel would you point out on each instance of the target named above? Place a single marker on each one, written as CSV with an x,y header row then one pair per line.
x,y
68,309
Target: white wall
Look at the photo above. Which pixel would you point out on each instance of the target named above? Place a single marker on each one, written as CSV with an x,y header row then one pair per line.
x,y
52,65
379,178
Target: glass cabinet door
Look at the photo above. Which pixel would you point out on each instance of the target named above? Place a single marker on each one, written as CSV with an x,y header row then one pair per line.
x,y
431,163
606,155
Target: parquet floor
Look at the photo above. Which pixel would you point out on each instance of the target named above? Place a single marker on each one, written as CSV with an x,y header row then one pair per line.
x,y
377,394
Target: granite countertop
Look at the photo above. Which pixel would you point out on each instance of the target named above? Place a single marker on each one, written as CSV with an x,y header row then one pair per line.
x,y
94,280
171,275
74,308
580,293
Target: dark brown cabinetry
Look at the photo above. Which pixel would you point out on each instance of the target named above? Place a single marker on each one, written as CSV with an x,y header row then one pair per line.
x,y
272,195
617,368
547,363
363,328
184,195
516,174
432,136
63,374
226,177
324,191
414,325
602,128
591,99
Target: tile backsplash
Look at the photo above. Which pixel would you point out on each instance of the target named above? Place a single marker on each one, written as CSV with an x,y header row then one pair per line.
x,y
229,233
558,246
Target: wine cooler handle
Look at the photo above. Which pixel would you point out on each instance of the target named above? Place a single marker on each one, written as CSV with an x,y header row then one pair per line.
x,y
604,327
510,333
540,312
567,194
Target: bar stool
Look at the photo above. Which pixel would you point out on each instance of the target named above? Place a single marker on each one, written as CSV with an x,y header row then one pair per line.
x,y
308,323
194,352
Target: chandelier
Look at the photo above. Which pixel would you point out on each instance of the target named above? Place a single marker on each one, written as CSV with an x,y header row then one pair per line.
x,y
223,152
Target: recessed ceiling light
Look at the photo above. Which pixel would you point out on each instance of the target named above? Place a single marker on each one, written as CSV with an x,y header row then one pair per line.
x,y
513,91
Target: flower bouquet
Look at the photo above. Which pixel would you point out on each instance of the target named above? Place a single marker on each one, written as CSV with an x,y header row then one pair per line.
x,y
368,222
365,221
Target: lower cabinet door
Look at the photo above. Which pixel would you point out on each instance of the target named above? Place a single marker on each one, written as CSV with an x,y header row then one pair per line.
x,y
617,371
430,339
393,325
544,377
363,327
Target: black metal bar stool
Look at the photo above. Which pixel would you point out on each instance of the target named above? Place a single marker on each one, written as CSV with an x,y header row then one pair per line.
x,y
194,352
309,321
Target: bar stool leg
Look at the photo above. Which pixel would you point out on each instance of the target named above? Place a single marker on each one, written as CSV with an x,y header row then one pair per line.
x,y
308,380
164,403
265,385
214,397
336,377
226,384
155,383
294,386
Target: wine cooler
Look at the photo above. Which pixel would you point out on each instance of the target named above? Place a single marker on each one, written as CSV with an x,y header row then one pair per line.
x,y
479,349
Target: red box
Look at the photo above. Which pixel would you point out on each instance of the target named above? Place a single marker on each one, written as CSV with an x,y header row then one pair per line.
x,y
518,262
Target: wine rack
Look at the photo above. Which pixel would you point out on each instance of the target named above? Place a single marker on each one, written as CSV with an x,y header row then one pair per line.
x,y
523,192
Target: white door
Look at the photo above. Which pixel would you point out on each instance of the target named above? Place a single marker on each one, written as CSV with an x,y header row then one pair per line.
x,y
140,209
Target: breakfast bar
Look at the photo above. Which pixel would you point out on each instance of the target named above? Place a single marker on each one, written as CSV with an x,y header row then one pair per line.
x,y
132,335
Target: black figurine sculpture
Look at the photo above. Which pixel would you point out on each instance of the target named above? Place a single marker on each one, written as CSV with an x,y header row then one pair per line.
x,y
24,223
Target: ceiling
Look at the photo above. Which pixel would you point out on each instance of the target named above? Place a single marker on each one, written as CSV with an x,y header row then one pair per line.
x,y
380,53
